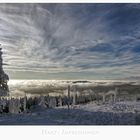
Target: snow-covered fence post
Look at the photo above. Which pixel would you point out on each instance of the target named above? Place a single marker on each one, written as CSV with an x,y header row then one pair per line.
x,y
115,94
111,98
74,95
24,103
68,102
103,98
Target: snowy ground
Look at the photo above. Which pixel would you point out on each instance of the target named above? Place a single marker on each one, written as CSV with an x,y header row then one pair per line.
x,y
121,113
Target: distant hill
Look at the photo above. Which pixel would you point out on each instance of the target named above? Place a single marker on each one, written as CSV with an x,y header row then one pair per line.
x,y
132,78
81,82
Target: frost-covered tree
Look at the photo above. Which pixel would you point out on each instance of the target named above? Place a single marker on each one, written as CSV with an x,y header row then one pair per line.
x,y
3,78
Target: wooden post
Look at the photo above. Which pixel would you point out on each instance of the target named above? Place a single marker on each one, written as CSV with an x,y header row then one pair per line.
x,y
68,97
25,103
115,94
111,98
74,96
103,98
59,101
114,97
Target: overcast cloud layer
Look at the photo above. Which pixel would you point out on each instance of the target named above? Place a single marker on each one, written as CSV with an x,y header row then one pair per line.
x,y
70,41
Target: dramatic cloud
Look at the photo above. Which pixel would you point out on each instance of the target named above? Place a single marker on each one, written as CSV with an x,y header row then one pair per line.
x,y
60,41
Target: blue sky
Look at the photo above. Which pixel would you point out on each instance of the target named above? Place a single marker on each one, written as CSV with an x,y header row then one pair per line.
x,y
70,41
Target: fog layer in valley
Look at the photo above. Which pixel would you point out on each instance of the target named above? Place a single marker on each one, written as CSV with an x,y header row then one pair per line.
x,y
21,87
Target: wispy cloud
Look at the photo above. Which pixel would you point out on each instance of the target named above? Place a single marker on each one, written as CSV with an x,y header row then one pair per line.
x,y
99,40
